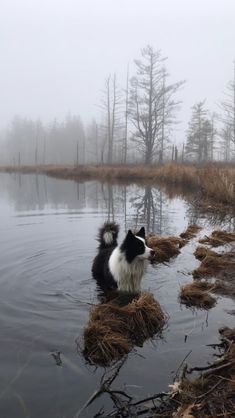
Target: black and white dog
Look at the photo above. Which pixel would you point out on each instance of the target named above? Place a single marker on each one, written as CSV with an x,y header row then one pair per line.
x,y
121,266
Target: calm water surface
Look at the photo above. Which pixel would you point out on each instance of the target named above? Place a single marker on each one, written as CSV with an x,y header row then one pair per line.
x,y
47,242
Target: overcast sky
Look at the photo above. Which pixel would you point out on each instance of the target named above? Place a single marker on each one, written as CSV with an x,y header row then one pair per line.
x,y
56,54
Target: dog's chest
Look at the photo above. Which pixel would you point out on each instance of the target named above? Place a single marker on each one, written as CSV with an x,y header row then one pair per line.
x,y
127,275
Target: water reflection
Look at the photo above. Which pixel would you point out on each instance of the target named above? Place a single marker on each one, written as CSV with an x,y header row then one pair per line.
x,y
145,205
149,209
135,205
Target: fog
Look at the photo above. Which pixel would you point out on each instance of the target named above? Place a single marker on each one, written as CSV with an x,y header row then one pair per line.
x,y
56,55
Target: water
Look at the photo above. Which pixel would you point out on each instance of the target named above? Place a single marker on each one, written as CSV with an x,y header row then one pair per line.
x,y
47,242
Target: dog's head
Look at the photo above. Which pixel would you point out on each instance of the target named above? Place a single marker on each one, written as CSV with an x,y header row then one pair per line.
x,y
134,246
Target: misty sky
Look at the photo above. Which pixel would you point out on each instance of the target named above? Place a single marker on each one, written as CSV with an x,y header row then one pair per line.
x,y
56,54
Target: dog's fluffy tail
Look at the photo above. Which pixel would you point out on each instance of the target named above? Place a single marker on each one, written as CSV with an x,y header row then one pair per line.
x,y
107,236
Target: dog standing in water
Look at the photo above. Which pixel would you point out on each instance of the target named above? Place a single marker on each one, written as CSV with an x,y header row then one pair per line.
x,y
121,266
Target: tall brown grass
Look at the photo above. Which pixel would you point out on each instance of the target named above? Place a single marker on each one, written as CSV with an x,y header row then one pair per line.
x,y
215,183
113,330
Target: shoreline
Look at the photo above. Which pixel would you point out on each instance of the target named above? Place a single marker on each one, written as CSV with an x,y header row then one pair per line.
x,y
213,185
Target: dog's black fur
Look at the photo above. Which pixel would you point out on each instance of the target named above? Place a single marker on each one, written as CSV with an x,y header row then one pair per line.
x,y
100,268
121,266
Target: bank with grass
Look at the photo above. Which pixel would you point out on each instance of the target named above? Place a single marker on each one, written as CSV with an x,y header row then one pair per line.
x,y
212,186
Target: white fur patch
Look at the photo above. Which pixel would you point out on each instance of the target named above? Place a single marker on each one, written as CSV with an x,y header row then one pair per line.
x,y
108,237
127,275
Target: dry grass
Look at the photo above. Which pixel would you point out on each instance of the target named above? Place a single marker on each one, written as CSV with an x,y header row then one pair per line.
x,y
165,247
196,294
219,183
214,182
217,265
212,394
190,232
102,344
201,252
112,330
228,333
218,238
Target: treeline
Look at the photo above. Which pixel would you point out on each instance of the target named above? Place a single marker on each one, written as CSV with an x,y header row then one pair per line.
x,y
135,126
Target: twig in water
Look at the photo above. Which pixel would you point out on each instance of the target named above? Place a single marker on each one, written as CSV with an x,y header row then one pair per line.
x,y
216,369
151,398
209,391
104,388
181,364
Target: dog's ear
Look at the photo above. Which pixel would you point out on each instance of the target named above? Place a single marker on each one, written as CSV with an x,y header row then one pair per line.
x,y
141,233
129,234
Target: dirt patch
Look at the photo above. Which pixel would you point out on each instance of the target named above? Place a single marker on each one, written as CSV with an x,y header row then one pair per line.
x,y
218,238
113,330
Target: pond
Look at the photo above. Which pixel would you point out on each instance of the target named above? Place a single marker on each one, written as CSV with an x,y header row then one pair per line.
x,y
48,229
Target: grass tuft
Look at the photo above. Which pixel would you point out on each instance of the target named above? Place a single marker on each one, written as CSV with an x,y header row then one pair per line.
x,y
113,330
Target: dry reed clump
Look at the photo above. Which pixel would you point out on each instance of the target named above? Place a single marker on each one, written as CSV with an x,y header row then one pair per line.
x,y
196,294
165,247
103,345
201,252
218,184
212,393
218,238
145,318
190,232
112,330
217,265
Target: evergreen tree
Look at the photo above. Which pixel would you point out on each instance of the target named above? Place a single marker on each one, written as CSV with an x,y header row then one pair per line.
x,y
200,135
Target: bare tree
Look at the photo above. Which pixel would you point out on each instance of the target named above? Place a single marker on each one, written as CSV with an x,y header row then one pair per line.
x,y
111,106
126,118
151,103
93,146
